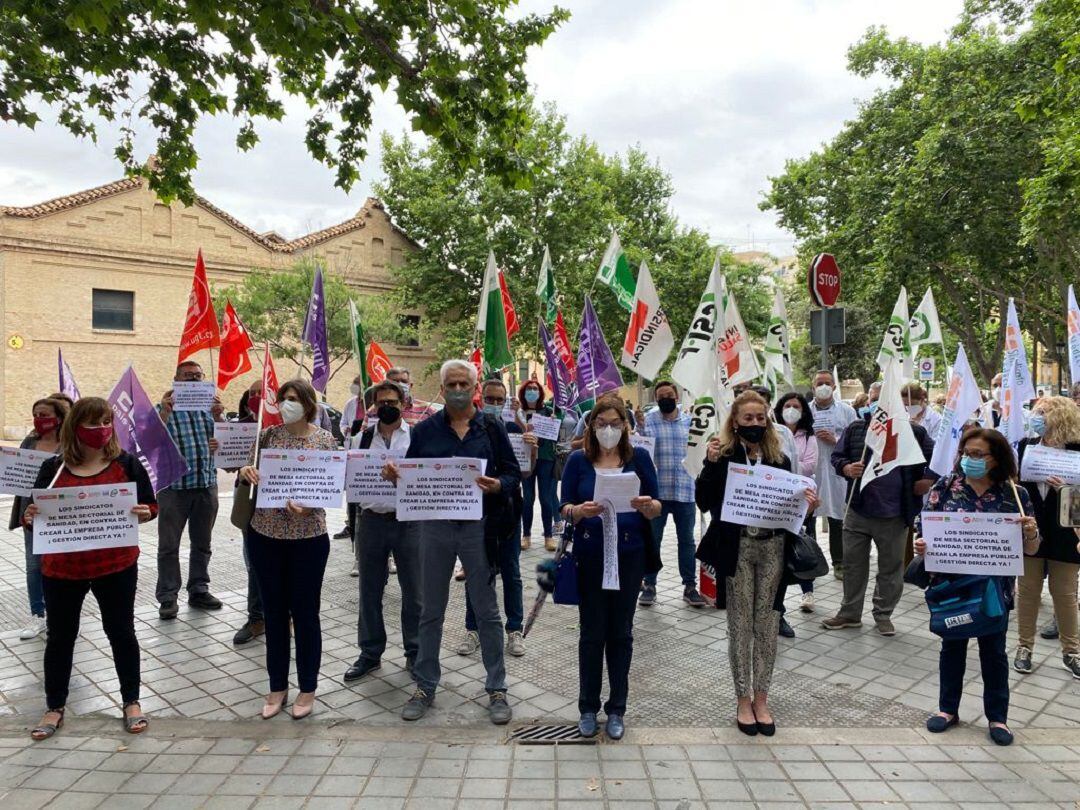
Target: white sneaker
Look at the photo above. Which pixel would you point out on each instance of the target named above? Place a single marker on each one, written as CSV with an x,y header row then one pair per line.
x,y
355,571
33,629
807,605
470,644
391,566
515,644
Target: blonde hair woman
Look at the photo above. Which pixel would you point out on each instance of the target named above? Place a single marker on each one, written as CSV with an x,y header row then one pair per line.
x,y
751,559
1055,421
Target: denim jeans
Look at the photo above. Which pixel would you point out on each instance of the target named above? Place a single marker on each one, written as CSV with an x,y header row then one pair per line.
x,y
510,569
544,476
35,591
685,516
995,675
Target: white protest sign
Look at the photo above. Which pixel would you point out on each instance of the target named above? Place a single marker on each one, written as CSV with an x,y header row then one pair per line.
x,y
84,518
545,427
648,442
193,396
19,469
313,478
618,489
986,543
508,413
522,451
1041,463
439,489
364,482
235,442
765,497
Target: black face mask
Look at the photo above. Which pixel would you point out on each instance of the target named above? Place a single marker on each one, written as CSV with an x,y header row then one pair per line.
x,y
389,414
751,433
667,404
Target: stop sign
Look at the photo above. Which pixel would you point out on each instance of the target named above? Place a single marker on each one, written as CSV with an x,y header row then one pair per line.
x,y
824,280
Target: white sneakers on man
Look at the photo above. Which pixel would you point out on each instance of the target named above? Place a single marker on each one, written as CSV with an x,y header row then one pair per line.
x,y
33,629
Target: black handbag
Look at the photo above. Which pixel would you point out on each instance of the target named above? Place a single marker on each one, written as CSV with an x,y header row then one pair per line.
x,y
804,559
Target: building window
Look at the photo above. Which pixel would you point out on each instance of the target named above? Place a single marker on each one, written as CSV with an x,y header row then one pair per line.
x,y
114,309
411,324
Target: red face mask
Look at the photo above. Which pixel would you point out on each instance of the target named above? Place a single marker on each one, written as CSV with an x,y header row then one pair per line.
x,y
95,437
254,403
44,425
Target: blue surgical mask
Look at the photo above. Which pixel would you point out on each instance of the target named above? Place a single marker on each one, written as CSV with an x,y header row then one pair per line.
x,y
492,410
532,396
1037,423
864,411
973,467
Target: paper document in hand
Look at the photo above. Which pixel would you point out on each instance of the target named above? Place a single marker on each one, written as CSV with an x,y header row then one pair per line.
x,y
1041,463
19,468
312,478
439,489
364,482
988,544
765,498
522,452
193,396
545,427
235,440
617,489
85,518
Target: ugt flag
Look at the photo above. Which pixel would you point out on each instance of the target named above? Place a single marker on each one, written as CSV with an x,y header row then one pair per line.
x,y
648,335
615,273
268,409
1016,385
200,326
140,431
67,379
560,378
315,334
377,363
889,437
233,359
596,370
962,400
1072,321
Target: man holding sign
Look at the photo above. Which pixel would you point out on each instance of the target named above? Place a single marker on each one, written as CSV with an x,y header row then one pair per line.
x,y
462,431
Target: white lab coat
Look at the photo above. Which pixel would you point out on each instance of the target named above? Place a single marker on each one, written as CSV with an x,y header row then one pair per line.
x,y
832,487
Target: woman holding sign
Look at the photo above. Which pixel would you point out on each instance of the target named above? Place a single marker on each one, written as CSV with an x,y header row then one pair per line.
x,y
48,415
1056,423
531,395
982,482
90,455
751,559
288,549
607,615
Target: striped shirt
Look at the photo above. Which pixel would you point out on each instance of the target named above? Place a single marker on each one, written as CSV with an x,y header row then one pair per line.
x,y
192,431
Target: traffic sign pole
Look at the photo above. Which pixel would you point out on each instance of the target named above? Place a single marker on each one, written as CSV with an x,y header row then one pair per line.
x,y
824,278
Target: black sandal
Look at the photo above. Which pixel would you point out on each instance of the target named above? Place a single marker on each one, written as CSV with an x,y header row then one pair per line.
x,y
137,724
46,730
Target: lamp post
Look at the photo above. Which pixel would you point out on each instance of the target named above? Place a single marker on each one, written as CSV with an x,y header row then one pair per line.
x,y
1060,362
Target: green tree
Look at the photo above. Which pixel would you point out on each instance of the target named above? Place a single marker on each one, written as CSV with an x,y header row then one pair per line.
x,y
456,66
273,307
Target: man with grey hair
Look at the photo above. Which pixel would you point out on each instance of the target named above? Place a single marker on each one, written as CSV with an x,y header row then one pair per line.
x,y
414,409
462,430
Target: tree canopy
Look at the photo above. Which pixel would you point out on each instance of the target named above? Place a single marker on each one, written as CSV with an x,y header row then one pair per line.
x,y
456,67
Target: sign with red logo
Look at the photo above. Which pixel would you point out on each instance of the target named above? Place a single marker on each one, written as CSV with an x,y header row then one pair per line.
x,y
824,280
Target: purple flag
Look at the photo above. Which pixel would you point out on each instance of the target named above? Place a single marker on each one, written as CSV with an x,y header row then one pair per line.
x,y
596,370
561,381
141,432
315,334
67,380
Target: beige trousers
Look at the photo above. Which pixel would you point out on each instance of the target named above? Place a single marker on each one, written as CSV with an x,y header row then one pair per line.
x,y
1062,579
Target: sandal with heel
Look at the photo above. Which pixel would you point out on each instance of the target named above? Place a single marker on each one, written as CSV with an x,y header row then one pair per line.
x,y
137,724
46,730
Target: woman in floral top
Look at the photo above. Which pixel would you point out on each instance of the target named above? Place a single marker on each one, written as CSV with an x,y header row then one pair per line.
x,y
288,549
982,482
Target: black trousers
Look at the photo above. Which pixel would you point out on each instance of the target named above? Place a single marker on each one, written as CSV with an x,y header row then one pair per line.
x,y
115,594
290,576
607,630
836,542
995,674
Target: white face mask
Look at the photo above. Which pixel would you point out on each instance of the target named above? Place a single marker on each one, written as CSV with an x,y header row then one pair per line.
x,y
914,411
823,392
291,412
996,392
608,437
792,415
355,390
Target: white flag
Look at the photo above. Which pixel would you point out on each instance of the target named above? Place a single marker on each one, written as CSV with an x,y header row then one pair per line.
x,y
1072,322
924,326
648,335
896,344
695,367
777,349
1016,385
889,437
961,402
738,360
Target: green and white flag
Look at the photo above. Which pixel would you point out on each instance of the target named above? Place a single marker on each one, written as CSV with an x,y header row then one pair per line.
x,y
777,349
359,344
545,290
695,367
491,319
896,344
924,326
615,273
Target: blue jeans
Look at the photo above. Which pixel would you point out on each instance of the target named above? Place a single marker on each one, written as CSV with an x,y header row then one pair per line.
x,y
35,590
685,516
510,569
545,475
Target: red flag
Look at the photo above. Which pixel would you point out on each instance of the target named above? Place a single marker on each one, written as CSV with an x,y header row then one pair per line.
x,y
477,359
233,359
377,363
562,343
512,325
200,327
269,414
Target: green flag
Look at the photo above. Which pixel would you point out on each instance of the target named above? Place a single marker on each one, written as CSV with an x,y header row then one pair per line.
x,y
359,344
545,290
491,319
615,273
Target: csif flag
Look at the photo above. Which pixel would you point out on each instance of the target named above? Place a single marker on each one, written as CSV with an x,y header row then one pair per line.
x,y
896,344
777,349
200,325
491,319
1016,385
1072,323
67,379
268,409
545,290
315,334
924,326
695,365
961,401
889,436
140,432
377,363
233,358
359,344
615,273
596,370
648,335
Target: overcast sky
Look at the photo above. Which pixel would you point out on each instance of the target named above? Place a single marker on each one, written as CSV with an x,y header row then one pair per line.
x,y
720,92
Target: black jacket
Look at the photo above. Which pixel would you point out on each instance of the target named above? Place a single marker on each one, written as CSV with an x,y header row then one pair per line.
x,y
1057,543
720,545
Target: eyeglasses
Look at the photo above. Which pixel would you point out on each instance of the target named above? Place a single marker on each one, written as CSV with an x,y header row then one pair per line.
x,y
494,400
615,423
191,376
977,455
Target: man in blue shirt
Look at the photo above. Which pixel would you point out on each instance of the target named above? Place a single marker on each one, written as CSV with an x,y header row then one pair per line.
x,y
462,430
669,428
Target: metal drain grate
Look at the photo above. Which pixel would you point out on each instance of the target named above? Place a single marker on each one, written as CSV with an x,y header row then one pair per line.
x,y
550,735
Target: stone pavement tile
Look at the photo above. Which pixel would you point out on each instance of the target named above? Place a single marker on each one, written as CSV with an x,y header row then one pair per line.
x,y
944,771
177,802
397,767
890,771
723,789
379,803
862,791
149,783
532,769
544,753
487,768
306,765
80,760
627,789
279,803
806,770
919,791
815,792
483,788
990,772
676,789
228,802
773,791
291,785
76,801
29,799
705,769
244,784
575,791
578,770
760,770
101,781
49,779
262,763
133,801
852,770
837,753
436,787
749,751
624,752
532,789
217,763
1062,792
394,786
624,769
966,791
789,753
1012,792
668,768
127,761
454,768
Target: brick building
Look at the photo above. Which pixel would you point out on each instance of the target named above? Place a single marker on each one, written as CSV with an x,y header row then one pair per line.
x,y
104,274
